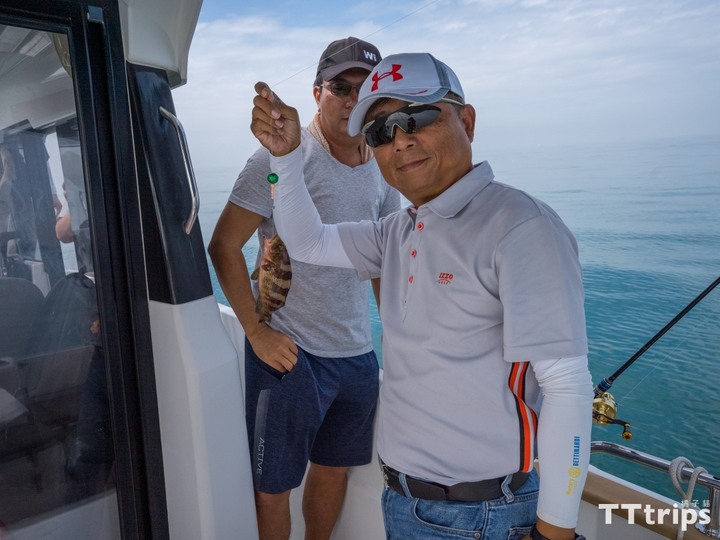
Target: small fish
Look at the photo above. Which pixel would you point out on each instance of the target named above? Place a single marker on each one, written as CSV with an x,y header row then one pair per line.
x,y
273,276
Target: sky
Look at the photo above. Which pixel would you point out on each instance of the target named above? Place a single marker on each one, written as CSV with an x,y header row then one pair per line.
x,y
539,72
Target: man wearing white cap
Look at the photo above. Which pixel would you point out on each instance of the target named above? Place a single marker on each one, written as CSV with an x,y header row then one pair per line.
x,y
484,342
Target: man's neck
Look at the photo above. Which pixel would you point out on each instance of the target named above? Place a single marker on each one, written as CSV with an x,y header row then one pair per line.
x,y
348,151
347,154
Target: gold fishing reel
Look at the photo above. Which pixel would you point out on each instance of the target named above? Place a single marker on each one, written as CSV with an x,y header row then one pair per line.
x,y
605,413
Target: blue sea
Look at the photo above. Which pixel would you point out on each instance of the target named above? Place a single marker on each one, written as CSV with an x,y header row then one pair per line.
x,y
646,215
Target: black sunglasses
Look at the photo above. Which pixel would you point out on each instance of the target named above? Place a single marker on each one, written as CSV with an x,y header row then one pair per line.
x,y
409,119
341,88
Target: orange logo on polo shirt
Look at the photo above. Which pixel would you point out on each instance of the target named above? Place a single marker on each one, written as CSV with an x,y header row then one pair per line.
x,y
444,278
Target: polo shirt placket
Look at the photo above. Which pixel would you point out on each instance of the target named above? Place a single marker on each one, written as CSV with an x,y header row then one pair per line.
x,y
414,249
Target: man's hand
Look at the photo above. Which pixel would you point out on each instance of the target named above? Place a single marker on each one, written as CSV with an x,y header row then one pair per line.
x,y
552,532
274,124
274,348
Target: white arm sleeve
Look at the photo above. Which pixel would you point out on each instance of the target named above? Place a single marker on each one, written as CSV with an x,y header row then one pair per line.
x,y
563,437
297,220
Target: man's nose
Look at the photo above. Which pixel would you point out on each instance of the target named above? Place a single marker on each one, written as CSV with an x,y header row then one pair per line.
x,y
402,140
352,97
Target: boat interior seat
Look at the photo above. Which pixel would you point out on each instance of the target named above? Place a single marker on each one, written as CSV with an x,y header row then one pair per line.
x,y
51,368
20,301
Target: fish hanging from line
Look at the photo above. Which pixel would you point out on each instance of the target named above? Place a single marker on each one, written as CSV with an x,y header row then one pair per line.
x,y
274,276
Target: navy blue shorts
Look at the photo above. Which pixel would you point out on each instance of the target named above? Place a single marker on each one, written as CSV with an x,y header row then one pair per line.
x,y
321,411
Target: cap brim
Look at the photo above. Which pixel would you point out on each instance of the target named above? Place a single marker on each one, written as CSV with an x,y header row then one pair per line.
x,y
331,72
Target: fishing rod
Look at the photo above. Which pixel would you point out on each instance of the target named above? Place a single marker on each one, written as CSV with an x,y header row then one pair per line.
x,y
604,405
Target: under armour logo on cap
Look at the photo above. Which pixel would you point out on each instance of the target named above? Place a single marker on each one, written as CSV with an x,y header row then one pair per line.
x,y
394,73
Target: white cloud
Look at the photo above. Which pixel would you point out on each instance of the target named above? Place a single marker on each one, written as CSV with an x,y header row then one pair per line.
x,y
537,71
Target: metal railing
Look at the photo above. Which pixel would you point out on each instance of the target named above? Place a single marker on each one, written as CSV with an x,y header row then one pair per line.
x,y
711,482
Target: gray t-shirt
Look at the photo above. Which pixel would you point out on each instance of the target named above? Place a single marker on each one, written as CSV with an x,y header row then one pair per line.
x,y
327,309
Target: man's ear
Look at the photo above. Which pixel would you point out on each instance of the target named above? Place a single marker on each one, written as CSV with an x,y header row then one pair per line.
x,y
467,115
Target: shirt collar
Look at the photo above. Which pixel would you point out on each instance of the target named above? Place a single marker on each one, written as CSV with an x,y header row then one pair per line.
x,y
457,196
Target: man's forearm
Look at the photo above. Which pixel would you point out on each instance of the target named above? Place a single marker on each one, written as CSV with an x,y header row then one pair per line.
x,y
234,279
297,220
564,431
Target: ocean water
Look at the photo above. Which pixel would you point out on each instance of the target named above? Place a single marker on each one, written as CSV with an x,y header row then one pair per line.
x,y
647,219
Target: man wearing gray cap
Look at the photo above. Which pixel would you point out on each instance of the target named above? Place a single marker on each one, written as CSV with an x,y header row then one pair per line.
x,y
484,341
311,376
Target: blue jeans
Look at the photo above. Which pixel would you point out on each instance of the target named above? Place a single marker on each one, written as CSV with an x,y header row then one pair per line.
x,y
506,518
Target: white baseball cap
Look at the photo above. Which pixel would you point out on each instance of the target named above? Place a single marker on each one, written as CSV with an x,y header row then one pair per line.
x,y
413,77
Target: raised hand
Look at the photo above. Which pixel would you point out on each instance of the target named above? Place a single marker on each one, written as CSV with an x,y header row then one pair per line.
x,y
274,124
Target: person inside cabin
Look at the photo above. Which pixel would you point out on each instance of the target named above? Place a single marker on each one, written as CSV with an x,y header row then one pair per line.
x,y
484,339
311,373
7,177
72,223
63,223
17,229
90,456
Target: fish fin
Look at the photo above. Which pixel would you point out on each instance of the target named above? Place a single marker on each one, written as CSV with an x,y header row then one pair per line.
x,y
255,274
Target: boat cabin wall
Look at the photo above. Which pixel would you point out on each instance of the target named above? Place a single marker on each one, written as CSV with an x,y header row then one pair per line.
x,y
158,34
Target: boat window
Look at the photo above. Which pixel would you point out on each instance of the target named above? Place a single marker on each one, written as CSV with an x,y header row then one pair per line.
x,y
56,448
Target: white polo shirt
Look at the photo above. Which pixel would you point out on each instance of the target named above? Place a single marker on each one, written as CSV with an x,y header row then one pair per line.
x,y
476,283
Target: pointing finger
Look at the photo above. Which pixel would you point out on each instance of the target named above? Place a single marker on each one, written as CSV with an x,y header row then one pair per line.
x,y
276,125
277,105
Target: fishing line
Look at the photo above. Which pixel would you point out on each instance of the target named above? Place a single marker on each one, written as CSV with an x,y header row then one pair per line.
x,y
707,321
605,384
363,38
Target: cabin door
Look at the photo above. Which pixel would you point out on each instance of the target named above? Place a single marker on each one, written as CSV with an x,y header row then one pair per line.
x,y
80,450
